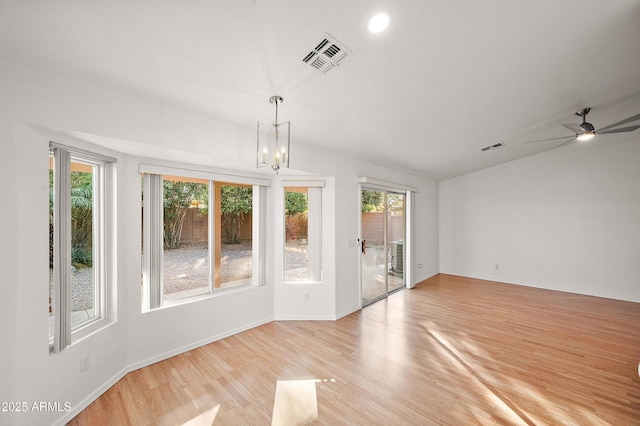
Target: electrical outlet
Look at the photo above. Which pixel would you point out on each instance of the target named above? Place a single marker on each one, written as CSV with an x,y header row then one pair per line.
x,y
497,266
307,296
84,364
419,265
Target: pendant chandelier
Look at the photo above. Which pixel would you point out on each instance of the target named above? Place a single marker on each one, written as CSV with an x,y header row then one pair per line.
x,y
273,142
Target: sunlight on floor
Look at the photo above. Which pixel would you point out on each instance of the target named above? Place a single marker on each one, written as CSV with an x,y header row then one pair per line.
x,y
295,402
462,355
206,418
508,408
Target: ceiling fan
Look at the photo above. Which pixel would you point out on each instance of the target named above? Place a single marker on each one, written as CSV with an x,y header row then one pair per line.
x,y
585,131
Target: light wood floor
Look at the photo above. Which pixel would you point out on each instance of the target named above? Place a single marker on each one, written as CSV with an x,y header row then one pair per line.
x,y
452,351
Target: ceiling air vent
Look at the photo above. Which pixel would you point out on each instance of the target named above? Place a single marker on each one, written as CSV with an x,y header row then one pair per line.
x,y
309,56
332,50
322,44
318,63
326,55
492,147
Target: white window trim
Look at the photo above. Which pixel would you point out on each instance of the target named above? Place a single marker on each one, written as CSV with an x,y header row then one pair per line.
x,y
259,226
153,232
64,333
367,182
153,242
61,250
203,174
315,190
315,234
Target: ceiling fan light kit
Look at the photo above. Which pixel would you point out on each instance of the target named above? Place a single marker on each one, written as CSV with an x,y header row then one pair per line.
x,y
586,136
586,131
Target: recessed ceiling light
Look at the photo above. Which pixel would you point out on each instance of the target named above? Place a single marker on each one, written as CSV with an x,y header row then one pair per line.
x,y
379,23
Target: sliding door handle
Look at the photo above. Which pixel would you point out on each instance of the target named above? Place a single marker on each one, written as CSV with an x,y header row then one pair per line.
x,y
364,246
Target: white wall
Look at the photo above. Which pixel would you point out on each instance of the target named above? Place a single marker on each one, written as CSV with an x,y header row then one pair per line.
x,y
567,219
290,301
9,288
28,372
346,212
35,108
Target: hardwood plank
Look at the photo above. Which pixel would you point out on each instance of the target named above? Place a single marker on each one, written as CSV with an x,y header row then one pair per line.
x,y
451,351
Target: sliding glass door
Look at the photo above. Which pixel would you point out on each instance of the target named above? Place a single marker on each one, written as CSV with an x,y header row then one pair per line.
x,y
382,244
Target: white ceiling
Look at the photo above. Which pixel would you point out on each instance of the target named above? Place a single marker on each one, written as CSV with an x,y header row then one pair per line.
x,y
446,79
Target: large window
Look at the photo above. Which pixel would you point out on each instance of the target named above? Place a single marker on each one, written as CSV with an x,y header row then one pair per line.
x,y
303,230
79,241
186,263
201,235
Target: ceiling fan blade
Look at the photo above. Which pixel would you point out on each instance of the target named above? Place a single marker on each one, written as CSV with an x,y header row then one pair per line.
x,y
619,130
575,128
551,139
567,142
625,121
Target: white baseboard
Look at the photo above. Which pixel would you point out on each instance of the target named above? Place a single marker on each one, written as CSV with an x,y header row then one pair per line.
x,y
348,312
305,318
77,408
146,362
161,357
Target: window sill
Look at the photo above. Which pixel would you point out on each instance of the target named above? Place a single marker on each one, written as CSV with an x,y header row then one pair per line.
x,y
86,331
206,296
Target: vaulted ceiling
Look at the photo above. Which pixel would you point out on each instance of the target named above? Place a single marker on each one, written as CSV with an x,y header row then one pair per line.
x,y
444,80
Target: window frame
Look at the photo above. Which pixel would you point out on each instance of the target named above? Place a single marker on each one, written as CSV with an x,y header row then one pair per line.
x,y
315,189
152,282
64,332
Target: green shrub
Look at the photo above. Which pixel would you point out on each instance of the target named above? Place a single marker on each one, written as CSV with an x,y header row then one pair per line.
x,y
80,256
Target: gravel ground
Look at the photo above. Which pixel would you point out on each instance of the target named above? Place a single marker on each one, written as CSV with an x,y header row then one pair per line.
x,y
187,268
81,288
